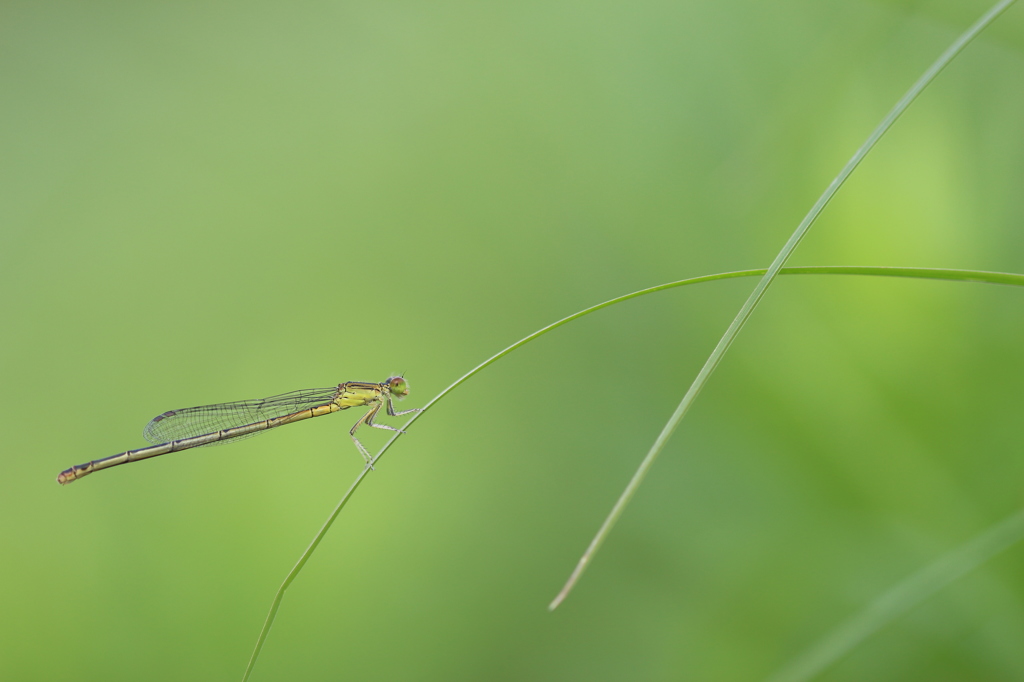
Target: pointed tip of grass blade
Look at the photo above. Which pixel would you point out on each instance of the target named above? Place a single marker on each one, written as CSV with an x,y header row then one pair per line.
x,y
567,588
564,592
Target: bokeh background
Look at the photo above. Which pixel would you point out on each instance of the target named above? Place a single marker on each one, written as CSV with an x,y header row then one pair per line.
x,y
205,202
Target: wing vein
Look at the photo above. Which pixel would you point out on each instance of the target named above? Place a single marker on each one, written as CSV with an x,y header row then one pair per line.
x,y
197,421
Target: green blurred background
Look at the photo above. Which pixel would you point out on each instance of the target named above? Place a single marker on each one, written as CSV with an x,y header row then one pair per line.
x,y
205,202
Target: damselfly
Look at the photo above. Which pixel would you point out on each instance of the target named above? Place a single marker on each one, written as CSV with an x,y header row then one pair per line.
x,y
195,427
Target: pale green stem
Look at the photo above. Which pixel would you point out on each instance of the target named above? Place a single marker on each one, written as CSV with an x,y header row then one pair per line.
x,y
877,271
762,286
901,598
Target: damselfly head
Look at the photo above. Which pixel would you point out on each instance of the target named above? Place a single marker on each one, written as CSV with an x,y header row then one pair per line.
x,y
398,386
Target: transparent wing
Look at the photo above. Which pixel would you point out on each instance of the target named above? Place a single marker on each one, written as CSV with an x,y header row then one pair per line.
x,y
196,421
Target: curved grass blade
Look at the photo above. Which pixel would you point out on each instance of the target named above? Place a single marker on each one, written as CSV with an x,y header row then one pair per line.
x,y
981,276
762,286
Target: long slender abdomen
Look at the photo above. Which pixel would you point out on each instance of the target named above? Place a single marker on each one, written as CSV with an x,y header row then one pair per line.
x,y
80,470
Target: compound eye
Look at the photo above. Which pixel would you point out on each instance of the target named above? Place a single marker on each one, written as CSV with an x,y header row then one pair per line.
x,y
398,386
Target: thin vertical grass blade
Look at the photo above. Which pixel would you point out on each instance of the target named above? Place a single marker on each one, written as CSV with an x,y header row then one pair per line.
x,y
762,286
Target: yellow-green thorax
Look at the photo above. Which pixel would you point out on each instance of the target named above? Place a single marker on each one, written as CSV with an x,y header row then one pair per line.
x,y
359,393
